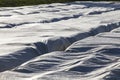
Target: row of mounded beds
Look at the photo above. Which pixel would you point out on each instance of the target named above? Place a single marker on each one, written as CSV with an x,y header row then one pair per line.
x,y
16,52
93,58
15,16
21,41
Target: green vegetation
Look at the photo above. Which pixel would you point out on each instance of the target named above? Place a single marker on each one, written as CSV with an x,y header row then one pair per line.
x,y
6,3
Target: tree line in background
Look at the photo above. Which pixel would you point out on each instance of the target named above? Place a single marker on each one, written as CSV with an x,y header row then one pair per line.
x,y
8,3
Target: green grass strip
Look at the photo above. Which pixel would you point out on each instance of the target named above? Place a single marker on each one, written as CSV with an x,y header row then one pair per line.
x,y
13,3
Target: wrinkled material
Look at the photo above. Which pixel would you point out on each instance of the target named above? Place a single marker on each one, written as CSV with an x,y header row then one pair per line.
x,y
60,41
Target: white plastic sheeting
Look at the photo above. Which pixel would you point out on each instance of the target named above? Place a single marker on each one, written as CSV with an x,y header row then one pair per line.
x,y
29,33
93,58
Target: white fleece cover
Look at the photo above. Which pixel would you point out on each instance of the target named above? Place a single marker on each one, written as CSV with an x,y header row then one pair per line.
x,y
93,58
35,41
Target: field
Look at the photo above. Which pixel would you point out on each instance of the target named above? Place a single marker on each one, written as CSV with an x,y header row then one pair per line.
x,y
61,41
